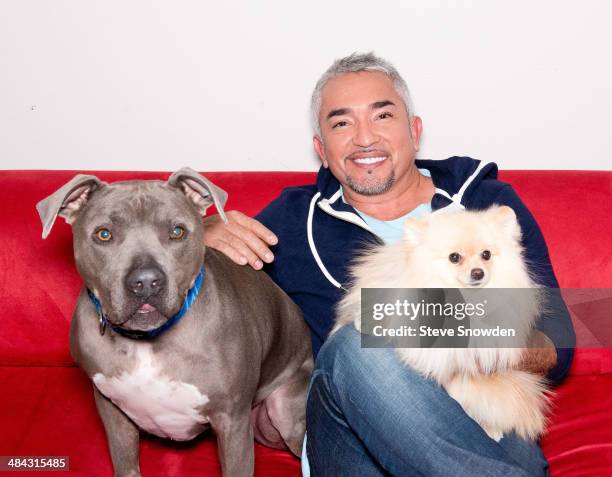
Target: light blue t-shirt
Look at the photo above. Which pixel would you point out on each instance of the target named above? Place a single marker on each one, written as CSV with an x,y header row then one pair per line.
x,y
391,231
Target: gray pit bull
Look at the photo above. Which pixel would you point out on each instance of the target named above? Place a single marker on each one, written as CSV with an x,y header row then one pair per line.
x,y
175,337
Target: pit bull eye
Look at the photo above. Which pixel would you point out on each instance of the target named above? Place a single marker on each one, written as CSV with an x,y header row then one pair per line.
x,y
177,233
486,255
454,257
104,235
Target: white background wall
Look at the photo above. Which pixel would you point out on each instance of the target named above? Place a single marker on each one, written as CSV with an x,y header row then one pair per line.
x,y
225,85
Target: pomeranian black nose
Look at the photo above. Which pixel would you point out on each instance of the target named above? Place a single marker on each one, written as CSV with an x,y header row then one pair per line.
x,y
477,274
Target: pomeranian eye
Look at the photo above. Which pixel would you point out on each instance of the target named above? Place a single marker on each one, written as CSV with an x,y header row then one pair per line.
x,y
486,255
454,257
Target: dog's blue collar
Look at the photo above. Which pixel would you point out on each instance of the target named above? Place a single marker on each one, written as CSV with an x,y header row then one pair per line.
x,y
192,294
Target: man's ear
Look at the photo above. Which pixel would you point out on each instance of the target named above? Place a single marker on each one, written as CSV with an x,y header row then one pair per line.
x,y
67,201
320,148
414,230
416,129
199,190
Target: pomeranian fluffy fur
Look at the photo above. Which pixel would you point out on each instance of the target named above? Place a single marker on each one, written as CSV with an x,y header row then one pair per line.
x,y
442,250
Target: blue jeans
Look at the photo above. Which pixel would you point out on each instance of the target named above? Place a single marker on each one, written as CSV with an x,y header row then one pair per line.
x,y
368,415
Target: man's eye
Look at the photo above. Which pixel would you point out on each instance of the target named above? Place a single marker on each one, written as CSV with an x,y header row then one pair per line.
x,y
385,115
339,124
177,233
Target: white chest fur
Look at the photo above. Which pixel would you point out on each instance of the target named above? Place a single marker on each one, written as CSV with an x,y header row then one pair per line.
x,y
155,402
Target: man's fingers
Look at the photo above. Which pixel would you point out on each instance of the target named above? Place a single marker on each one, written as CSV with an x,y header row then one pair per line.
x,y
263,232
240,247
230,252
243,239
253,241
255,227
237,252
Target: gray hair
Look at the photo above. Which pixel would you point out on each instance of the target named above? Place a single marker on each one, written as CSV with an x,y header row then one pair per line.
x,y
355,63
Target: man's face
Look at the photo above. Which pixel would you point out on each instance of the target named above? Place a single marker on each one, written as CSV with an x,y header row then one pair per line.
x,y
367,139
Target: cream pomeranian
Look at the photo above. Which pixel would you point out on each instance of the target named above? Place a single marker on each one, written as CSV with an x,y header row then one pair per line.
x,y
465,249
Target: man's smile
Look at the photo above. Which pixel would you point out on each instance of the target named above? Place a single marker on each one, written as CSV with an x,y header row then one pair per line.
x,y
368,159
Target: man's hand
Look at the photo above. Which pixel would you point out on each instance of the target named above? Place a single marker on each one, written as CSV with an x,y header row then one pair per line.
x,y
541,356
243,239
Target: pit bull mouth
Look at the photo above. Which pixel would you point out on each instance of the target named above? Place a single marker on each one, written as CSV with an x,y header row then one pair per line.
x,y
145,315
140,315
146,308
146,318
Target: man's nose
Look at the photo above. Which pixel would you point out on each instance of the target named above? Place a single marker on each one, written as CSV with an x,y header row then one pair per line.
x,y
365,135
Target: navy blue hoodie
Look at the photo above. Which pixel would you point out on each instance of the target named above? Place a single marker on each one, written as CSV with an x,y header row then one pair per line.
x,y
319,234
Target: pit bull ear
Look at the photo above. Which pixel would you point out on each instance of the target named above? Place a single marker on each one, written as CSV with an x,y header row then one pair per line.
x,y
506,219
414,230
199,190
67,201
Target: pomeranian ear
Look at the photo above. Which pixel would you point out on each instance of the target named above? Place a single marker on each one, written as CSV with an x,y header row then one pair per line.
x,y
414,230
506,219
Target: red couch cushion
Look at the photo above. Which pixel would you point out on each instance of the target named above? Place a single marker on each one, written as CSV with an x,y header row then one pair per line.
x,y
46,406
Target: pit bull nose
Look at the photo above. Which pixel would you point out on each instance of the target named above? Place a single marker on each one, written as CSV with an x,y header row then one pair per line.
x,y
477,274
145,281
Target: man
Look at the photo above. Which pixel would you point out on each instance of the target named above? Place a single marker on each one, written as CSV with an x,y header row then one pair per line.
x,y
367,414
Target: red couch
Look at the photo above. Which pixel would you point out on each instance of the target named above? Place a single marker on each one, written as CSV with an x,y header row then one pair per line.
x,y
46,403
